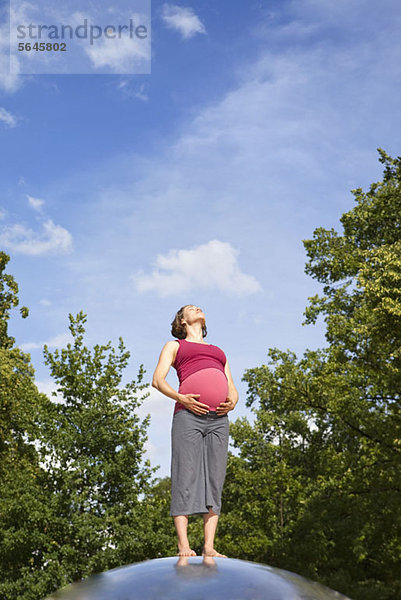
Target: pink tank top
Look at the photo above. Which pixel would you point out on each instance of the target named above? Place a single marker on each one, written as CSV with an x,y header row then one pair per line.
x,y
192,357
207,362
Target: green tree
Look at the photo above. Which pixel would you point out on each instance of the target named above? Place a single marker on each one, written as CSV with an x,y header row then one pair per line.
x,y
318,477
23,500
93,446
158,506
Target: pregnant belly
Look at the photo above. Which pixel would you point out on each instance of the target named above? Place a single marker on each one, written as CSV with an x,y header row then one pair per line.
x,y
210,383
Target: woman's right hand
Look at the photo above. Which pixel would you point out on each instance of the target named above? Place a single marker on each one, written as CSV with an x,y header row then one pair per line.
x,y
190,402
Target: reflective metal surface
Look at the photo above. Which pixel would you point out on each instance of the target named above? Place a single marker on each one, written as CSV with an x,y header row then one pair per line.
x,y
197,578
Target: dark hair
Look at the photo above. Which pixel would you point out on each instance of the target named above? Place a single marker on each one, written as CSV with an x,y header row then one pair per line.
x,y
178,329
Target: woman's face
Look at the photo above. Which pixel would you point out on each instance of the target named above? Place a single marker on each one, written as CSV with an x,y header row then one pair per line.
x,y
192,314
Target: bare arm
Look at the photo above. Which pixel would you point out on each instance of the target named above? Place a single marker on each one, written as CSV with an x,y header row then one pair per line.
x,y
166,360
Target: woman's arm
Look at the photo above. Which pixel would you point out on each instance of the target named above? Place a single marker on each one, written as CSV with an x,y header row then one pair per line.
x,y
232,398
166,360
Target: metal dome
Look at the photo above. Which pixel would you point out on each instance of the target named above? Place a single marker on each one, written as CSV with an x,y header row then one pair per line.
x,y
196,578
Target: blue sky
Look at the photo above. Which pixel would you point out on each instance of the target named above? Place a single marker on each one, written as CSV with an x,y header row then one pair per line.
x,y
127,196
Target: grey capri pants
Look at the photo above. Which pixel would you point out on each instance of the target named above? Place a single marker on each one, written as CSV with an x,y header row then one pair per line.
x,y
199,446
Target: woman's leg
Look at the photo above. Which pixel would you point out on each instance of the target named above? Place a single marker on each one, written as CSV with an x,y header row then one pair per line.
x,y
187,465
209,526
181,526
187,475
216,462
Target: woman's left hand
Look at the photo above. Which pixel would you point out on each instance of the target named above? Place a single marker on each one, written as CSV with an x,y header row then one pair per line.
x,y
224,407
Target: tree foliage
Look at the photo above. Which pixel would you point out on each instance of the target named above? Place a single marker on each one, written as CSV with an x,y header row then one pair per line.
x,y
23,500
93,448
73,478
317,483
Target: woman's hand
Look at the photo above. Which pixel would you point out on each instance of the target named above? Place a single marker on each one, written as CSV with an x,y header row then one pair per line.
x,y
224,407
191,403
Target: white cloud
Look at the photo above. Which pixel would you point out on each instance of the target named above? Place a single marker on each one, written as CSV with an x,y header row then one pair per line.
x,y
120,55
57,341
49,388
208,266
45,302
46,386
183,20
138,92
35,203
23,240
7,118
10,80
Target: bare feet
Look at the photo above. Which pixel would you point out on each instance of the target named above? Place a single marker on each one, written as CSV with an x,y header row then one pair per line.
x,y
207,560
212,552
185,551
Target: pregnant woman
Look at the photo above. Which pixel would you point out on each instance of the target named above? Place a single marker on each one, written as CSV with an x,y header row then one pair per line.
x,y
200,424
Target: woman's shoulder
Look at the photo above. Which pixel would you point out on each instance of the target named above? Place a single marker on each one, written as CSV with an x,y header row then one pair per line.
x,y
169,350
172,345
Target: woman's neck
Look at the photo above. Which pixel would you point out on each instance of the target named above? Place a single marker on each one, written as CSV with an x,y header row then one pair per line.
x,y
194,333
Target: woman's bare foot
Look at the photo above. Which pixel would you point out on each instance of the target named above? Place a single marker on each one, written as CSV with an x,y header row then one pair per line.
x,y
207,560
185,551
212,552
